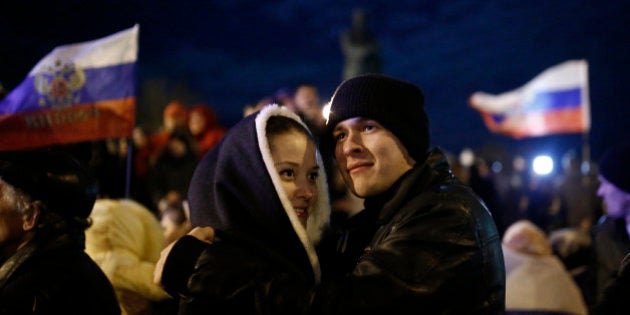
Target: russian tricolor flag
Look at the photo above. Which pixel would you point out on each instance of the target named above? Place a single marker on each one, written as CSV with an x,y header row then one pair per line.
x,y
78,92
554,102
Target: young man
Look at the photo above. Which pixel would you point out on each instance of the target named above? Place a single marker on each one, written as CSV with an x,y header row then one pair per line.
x,y
45,201
425,243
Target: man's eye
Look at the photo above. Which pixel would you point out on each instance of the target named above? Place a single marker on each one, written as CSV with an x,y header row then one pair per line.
x,y
368,127
339,136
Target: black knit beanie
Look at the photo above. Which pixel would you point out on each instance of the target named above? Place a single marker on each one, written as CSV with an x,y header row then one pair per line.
x,y
397,105
614,166
55,178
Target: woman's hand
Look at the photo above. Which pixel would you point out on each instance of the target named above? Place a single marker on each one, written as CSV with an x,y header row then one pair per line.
x,y
202,233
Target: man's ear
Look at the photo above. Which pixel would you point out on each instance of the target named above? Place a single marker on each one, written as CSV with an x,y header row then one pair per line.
x,y
31,216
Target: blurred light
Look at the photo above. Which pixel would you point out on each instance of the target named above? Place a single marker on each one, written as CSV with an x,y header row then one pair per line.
x,y
497,167
585,167
542,165
518,163
326,111
467,157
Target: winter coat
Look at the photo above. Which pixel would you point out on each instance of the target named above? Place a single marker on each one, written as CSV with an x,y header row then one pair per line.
x,y
125,240
610,244
542,285
54,276
615,296
426,246
259,239
537,281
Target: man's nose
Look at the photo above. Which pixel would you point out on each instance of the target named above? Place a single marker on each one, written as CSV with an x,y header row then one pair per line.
x,y
352,144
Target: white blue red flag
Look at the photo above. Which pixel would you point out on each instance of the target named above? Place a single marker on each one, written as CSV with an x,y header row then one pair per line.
x,y
78,92
554,102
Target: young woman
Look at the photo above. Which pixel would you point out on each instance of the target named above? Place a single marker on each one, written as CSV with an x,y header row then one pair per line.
x,y
262,189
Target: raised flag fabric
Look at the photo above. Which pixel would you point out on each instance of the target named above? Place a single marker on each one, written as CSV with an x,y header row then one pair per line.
x,y
78,92
554,102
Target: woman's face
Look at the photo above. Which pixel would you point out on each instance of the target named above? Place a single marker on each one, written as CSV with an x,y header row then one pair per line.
x,y
196,123
294,158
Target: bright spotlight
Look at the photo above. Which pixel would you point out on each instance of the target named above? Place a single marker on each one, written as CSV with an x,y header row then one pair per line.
x,y
542,165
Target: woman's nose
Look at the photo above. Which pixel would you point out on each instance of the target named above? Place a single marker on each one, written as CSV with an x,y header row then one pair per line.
x,y
306,190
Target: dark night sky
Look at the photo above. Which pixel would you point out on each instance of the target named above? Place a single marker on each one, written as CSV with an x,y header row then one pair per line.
x,y
231,53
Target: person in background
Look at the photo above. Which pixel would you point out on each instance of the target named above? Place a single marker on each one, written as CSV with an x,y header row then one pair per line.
x,y
173,168
173,117
205,128
424,241
263,191
308,106
125,240
610,235
511,186
573,246
175,220
45,200
109,163
141,156
253,108
536,280
283,97
482,181
578,193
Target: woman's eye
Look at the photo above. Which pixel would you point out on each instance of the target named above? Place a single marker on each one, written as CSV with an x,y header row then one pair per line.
x,y
313,176
286,173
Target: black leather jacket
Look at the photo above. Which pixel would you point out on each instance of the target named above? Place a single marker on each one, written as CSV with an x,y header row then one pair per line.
x,y
429,245
53,275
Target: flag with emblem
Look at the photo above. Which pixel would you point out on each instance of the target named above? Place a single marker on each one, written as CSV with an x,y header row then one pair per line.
x,y
554,102
78,92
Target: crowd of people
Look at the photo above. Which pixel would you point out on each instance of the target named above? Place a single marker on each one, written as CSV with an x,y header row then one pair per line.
x,y
291,212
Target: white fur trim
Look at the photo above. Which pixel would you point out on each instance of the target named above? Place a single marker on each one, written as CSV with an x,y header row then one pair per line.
x,y
320,214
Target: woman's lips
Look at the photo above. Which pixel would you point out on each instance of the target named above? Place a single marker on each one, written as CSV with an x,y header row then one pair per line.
x,y
301,212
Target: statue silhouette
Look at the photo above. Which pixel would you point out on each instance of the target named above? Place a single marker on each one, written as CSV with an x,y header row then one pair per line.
x,y
360,48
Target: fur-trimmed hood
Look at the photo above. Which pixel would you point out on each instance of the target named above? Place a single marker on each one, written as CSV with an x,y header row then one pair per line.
x,y
236,190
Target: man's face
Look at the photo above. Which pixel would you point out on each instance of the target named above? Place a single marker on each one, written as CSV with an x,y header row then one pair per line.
x,y
370,157
616,201
12,232
307,102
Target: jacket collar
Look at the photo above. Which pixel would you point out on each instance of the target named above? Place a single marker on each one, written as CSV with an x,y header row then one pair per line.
x,y
422,176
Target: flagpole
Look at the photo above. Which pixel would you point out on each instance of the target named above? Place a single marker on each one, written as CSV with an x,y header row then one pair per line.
x,y
129,165
586,165
586,148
